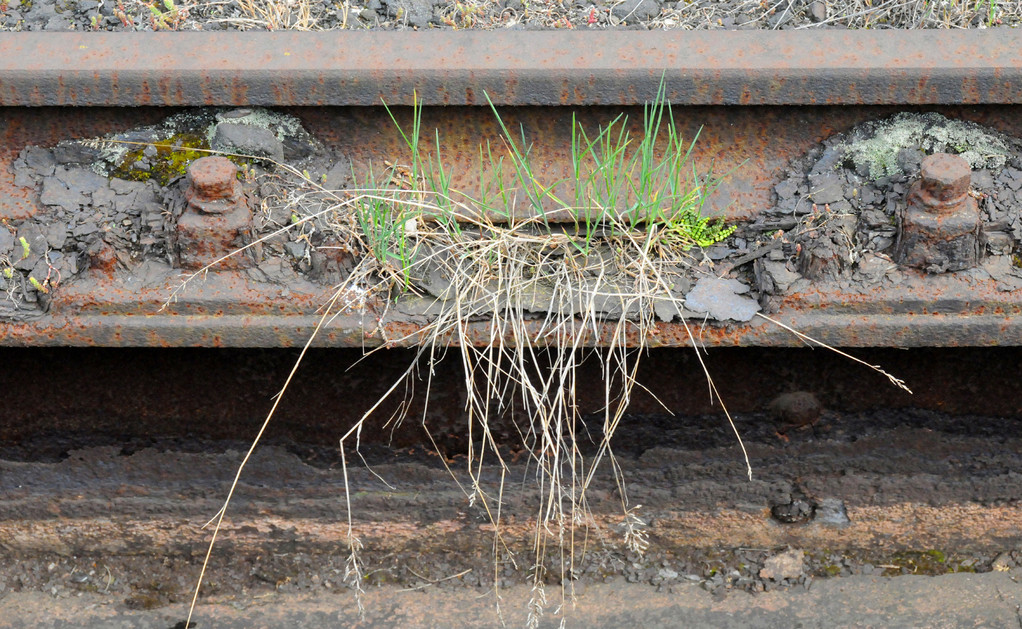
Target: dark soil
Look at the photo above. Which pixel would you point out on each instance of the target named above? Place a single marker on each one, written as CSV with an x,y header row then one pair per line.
x,y
880,465
103,523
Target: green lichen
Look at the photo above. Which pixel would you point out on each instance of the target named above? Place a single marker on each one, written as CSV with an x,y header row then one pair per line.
x,y
925,562
930,133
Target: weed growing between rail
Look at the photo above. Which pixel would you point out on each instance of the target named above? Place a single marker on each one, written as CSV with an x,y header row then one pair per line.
x,y
541,272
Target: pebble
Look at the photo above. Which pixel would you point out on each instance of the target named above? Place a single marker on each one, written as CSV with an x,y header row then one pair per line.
x,y
786,565
818,11
794,409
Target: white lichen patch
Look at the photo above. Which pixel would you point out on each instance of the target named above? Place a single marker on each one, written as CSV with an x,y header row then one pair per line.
x,y
930,133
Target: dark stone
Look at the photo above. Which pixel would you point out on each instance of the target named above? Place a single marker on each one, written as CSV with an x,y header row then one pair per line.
x,y
826,188
999,243
415,13
39,159
56,235
982,179
40,271
37,244
338,176
74,153
633,11
818,11
80,180
295,249
24,177
85,229
6,240
798,408
297,148
780,277
786,189
103,198
58,23
55,193
247,139
124,186
794,512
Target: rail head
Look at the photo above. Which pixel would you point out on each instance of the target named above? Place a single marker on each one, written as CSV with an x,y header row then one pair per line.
x,y
511,68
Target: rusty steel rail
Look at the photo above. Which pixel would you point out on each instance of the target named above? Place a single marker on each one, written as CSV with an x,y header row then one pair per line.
x,y
513,68
838,79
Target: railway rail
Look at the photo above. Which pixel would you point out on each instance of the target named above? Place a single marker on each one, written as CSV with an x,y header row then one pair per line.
x,y
758,101
875,183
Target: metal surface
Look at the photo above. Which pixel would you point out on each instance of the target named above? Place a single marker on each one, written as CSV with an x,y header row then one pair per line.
x,y
228,309
217,219
512,68
112,307
940,228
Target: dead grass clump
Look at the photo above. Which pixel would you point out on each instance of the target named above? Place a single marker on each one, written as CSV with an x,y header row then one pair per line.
x,y
523,273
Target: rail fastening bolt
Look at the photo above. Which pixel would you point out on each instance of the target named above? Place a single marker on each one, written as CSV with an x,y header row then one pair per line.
x,y
944,181
212,179
217,219
940,229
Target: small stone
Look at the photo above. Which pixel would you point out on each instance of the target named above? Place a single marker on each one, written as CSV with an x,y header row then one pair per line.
x,y
103,198
74,153
794,512
826,188
999,243
85,229
55,193
786,189
39,159
634,11
415,13
81,180
36,241
779,274
832,512
338,176
124,186
786,565
247,139
295,249
56,235
722,299
798,408
818,11
1002,563
6,240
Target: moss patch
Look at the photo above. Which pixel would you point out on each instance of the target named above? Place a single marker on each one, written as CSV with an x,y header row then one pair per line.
x,y
172,158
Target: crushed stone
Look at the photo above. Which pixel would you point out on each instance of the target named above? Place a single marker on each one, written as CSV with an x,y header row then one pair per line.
x,y
142,15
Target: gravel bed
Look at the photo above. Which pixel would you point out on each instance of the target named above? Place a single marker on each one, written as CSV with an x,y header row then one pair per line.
x,y
148,15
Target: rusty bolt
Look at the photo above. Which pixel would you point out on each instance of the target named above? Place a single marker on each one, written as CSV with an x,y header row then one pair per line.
x,y
944,181
213,185
217,219
940,229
